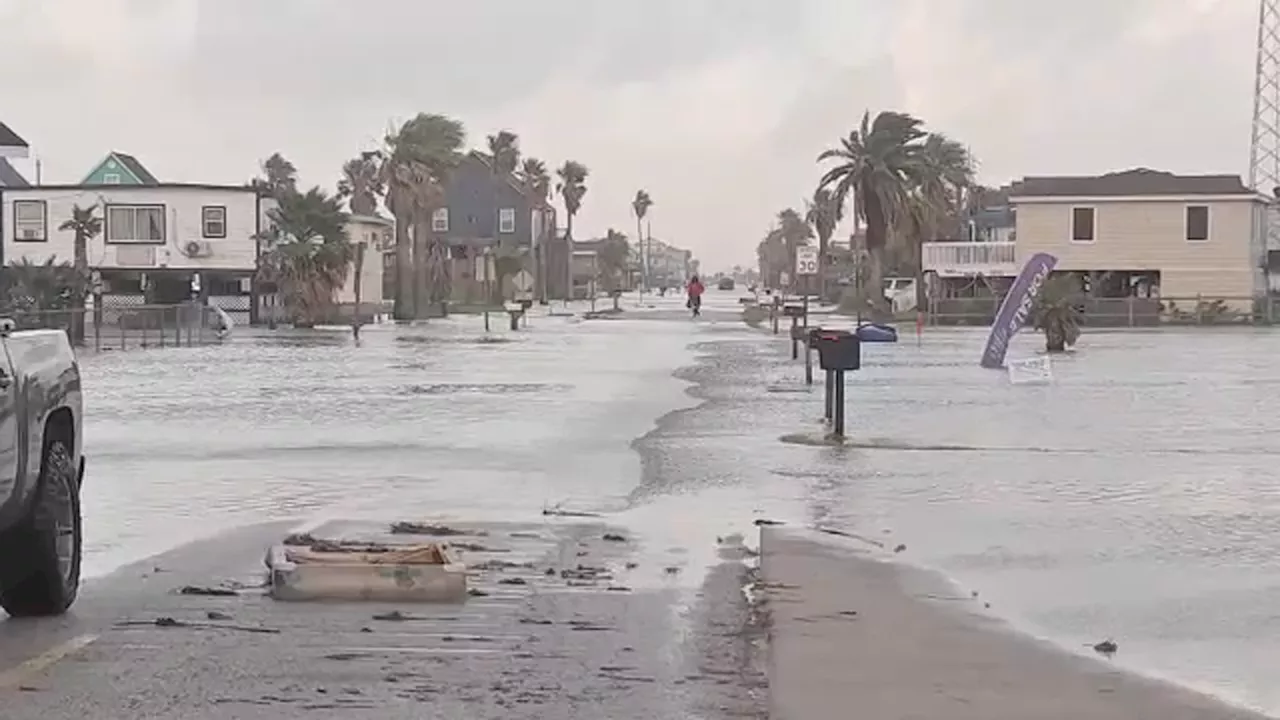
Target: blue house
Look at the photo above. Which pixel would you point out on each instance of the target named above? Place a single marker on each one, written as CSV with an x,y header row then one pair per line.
x,y
119,168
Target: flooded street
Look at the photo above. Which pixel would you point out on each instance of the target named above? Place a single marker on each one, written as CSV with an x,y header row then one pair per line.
x,y
1135,498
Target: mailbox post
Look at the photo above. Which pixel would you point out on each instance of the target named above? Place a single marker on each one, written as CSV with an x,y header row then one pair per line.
x,y
838,352
795,312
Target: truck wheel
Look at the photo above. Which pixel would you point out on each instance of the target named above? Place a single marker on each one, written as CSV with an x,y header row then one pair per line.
x,y
40,558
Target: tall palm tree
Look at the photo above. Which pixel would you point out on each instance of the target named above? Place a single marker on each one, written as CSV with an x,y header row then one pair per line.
x,y
504,151
86,225
572,187
308,256
504,160
279,176
417,162
537,185
534,178
640,207
796,233
885,168
824,213
362,182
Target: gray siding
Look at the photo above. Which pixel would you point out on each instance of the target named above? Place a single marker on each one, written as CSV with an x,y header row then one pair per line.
x,y
474,196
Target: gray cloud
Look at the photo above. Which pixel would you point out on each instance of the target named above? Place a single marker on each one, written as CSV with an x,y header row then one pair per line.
x,y
718,107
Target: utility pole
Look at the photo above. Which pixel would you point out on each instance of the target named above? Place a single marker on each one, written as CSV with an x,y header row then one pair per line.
x,y
1264,148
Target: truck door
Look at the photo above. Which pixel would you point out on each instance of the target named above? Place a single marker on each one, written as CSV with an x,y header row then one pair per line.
x,y
9,451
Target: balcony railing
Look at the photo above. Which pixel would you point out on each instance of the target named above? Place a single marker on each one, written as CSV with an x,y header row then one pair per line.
x,y
970,258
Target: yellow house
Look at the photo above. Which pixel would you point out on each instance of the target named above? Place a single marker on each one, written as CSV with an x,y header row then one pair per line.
x,y
1178,237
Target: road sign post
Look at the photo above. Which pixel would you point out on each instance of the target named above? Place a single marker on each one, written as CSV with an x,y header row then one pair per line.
x,y
807,266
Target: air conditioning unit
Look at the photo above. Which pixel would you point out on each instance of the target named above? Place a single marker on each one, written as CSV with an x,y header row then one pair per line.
x,y
197,248
28,234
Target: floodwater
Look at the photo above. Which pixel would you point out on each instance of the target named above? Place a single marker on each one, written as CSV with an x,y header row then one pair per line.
x,y
1134,498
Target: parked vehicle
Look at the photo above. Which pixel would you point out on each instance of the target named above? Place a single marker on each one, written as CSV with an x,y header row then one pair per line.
x,y
726,283
41,471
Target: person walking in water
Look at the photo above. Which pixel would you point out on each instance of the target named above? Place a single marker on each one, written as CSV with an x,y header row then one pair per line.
x,y
694,291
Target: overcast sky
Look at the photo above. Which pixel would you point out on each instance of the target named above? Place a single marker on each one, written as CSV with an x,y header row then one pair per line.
x,y
717,107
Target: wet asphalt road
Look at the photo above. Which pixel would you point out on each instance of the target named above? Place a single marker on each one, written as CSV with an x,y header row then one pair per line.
x,y
531,643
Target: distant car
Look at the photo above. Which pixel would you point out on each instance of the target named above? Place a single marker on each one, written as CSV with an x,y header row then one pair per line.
x,y
41,470
726,283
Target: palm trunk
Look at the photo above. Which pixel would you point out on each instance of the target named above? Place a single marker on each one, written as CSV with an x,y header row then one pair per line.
x,y
403,308
644,256
421,267
82,280
824,242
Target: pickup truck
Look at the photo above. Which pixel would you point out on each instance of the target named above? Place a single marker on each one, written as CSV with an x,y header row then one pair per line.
x,y
41,469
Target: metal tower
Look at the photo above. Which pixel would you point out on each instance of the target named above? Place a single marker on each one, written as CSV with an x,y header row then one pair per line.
x,y
1264,150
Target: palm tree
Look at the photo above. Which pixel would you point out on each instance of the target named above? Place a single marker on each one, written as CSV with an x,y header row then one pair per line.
x,y
417,161
308,254
771,254
900,179
28,288
279,176
504,151
795,233
823,213
572,188
534,178
1056,313
613,258
86,225
362,182
537,185
640,207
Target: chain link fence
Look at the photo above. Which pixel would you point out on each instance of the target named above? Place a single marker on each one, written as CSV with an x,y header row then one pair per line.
x,y
1124,312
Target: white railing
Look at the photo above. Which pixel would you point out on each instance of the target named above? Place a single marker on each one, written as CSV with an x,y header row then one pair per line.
x,y
969,258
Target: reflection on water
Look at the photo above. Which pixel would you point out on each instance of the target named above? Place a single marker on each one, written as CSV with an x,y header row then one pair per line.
x,y
185,442
1136,497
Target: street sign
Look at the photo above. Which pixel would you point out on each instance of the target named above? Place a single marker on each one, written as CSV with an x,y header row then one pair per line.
x,y
806,261
784,279
522,282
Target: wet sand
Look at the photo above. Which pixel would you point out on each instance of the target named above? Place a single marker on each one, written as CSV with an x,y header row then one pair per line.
x,y
848,631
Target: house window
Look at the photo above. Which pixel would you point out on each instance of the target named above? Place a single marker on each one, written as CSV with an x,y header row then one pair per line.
x,y
1082,229
135,224
440,220
507,220
213,221
30,221
111,178
1197,222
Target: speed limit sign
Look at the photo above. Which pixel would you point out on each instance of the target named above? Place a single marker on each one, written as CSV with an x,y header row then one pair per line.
x,y
806,261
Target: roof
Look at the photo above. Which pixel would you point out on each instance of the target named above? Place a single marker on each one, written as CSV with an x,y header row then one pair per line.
x,y
143,188
1129,183
139,171
10,177
9,138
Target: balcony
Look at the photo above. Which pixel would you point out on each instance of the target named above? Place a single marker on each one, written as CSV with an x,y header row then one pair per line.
x,y
965,259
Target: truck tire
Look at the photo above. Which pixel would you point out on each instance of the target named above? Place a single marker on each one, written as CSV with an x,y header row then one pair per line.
x,y
40,557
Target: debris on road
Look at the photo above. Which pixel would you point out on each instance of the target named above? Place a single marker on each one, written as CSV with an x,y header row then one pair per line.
x,y
169,622
405,527
207,591
613,537
412,573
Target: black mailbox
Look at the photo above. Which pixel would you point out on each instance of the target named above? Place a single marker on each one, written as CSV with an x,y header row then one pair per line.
x,y
800,333
838,350
793,311
813,337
